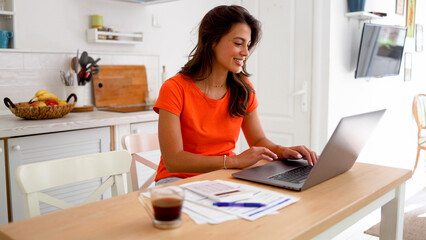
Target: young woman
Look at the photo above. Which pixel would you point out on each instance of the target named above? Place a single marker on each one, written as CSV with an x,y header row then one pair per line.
x,y
203,108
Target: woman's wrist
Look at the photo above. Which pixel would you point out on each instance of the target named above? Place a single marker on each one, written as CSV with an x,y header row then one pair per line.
x,y
280,151
228,162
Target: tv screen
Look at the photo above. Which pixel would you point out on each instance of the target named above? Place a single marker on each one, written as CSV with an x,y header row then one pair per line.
x,y
380,51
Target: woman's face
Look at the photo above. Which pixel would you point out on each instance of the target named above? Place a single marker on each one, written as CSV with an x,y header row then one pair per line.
x,y
232,49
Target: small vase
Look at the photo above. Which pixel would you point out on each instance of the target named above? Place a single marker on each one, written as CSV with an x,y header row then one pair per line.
x,y
356,5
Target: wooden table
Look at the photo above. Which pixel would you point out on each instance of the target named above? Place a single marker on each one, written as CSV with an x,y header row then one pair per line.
x,y
322,212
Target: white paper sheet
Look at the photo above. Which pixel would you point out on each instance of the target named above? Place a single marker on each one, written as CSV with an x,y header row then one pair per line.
x,y
201,209
273,200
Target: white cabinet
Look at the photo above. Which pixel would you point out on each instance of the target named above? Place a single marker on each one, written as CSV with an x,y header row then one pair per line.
x,y
36,148
121,130
7,20
3,195
145,127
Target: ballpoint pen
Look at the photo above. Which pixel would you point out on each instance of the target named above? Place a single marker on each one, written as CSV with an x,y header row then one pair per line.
x,y
235,204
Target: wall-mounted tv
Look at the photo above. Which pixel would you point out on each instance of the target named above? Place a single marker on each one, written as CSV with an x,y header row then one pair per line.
x,y
381,50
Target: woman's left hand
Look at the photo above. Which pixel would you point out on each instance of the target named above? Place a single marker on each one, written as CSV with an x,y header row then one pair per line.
x,y
298,152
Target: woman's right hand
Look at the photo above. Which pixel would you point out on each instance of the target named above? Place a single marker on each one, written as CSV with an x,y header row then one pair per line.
x,y
250,157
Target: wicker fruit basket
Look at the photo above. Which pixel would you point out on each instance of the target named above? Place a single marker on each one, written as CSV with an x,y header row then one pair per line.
x,y
23,110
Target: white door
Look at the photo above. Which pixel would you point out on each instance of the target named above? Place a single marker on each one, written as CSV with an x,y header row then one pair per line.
x,y
282,68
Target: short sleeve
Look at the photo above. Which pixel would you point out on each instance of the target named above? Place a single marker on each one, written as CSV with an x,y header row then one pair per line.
x,y
170,97
253,102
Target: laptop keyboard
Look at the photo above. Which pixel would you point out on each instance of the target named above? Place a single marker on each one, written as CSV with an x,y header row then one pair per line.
x,y
296,175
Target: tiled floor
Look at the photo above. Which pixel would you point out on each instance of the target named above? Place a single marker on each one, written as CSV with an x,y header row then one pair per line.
x,y
356,232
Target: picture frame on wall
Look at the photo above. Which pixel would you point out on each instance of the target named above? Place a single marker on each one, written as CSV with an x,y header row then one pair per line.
x,y
407,66
410,18
399,8
419,38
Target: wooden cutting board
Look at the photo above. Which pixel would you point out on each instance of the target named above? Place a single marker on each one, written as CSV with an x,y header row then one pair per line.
x,y
117,85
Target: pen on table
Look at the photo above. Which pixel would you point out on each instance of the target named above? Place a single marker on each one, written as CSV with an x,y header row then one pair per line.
x,y
235,204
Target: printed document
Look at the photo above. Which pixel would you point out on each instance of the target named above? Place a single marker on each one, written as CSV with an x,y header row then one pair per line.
x,y
201,209
197,205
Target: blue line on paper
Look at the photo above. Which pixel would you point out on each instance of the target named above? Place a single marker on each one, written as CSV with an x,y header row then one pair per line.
x,y
266,208
267,204
256,193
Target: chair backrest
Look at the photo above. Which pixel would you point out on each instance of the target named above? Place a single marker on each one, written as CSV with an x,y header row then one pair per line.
x,y
36,177
138,143
419,110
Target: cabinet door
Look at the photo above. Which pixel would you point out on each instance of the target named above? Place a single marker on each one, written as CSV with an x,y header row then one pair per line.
x,y
144,127
3,196
37,148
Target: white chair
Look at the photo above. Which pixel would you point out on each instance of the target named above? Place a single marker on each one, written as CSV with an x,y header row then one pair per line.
x,y
36,177
137,143
419,112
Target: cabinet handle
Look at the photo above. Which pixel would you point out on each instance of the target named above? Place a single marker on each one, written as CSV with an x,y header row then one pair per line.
x,y
16,147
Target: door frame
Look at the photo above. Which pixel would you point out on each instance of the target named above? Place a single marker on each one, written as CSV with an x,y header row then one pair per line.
x,y
320,74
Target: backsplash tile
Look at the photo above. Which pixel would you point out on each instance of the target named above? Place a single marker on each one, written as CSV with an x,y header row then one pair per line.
x,y
11,61
47,61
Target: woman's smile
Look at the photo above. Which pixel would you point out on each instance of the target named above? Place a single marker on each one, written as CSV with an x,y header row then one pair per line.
x,y
239,61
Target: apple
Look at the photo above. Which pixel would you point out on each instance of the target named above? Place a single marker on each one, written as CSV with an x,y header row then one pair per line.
x,y
51,102
38,104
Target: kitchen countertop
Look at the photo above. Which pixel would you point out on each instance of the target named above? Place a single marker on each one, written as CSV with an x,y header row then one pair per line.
x,y
11,126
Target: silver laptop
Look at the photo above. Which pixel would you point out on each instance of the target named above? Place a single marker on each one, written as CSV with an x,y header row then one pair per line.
x,y
338,156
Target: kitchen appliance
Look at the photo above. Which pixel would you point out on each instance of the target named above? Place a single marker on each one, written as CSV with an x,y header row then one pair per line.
x,y
121,88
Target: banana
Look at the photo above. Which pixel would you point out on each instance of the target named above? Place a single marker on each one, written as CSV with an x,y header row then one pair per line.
x,y
38,94
47,96
43,95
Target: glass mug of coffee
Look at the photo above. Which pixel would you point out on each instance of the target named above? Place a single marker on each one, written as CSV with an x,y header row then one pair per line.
x,y
166,205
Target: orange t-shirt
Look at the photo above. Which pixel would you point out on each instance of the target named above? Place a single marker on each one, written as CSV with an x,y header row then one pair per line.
x,y
206,126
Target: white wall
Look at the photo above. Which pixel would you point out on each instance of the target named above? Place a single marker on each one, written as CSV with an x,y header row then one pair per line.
x,y
394,141
49,32
61,25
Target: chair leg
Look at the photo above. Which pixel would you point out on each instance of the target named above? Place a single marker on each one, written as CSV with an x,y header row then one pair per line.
x,y
134,176
417,159
148,182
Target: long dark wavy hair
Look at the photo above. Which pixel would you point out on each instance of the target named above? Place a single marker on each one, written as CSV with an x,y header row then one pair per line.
x,y
215,24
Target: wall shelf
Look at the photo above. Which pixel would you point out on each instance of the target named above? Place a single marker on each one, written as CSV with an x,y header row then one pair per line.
x,y
7,13
93,36
362,16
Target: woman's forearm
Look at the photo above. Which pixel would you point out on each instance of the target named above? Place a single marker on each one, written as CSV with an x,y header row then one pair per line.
x,y
183,161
